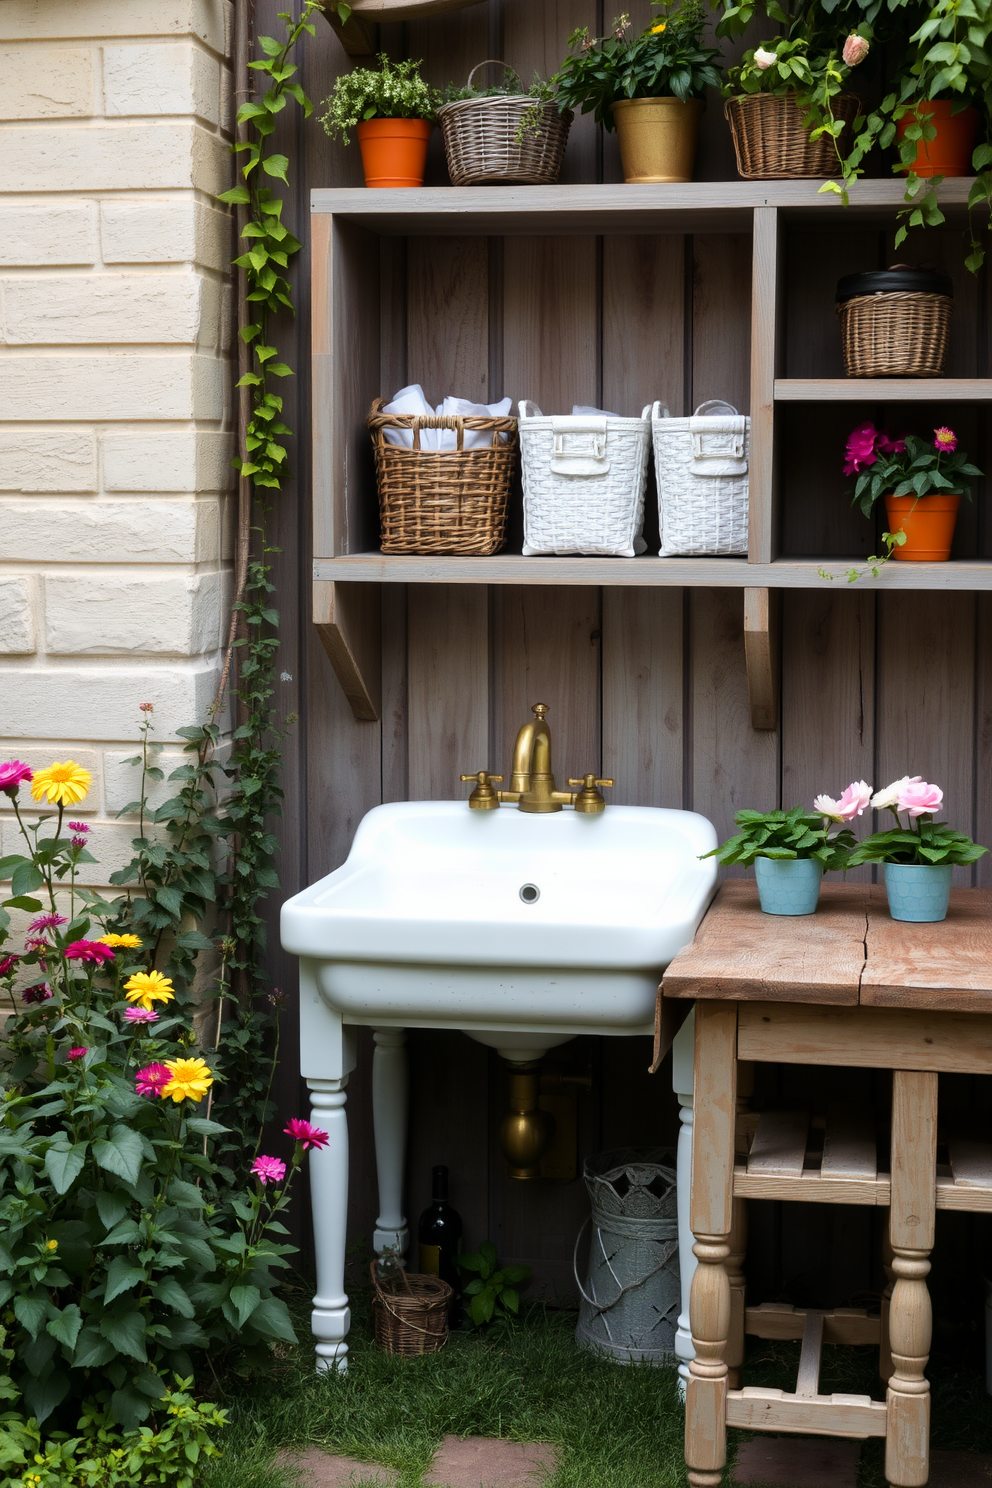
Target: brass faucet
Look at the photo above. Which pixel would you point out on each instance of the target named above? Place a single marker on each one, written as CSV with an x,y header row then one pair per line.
x,y
532,783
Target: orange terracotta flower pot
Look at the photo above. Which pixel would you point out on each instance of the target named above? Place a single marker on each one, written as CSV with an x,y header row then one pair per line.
x,y
950,153
928,524
394,151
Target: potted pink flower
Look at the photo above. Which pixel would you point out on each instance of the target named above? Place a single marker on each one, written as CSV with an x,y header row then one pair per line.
x,y
918,856
921,483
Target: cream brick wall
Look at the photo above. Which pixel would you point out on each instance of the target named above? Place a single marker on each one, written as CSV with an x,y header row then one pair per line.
x,y
115,384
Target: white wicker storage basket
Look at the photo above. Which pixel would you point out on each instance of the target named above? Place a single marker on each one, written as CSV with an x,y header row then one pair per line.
x,y
584,479
701,466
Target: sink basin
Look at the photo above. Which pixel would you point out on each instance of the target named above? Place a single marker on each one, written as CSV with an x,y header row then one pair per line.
x,y
522,930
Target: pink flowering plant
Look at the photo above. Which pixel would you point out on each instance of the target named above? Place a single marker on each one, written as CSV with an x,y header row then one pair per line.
x,y
909,466
919,840
797,833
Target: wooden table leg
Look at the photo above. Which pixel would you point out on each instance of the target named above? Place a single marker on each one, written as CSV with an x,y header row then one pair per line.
x,y
884,1352
911,1229
738,1233
711,1217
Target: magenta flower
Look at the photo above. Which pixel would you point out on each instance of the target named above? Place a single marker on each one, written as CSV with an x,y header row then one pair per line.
x,y
77,842
77,1053
945,440
14,773
140,1015
7,965
917,798
855,49
302,1131
78,827
891,446
269,1170
88,950
40,992
861,449
47,922
151,1079
851,804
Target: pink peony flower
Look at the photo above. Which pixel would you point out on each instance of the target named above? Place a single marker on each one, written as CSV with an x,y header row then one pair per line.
x,y
918,798
855,49
47,922
762,58
861,449
140,1015
88,950
302,1131
7,965
77,1053
851,804
269,1170
886,799
891,446
152,1079
945,440
78,827
12,774
40,992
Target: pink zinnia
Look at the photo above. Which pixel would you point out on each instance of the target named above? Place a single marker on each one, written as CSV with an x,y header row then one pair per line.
x,y
7,965
918,798
269,1170
47,922
77,842
151,1079
140,1015
12,774
860,449
88,950
945,440
78,827
302,1131
77,1053
40,992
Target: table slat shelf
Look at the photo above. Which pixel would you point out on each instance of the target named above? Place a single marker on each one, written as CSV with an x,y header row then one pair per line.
x,y
883,389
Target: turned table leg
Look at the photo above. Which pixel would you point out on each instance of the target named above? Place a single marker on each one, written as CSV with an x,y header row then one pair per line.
x,y
389,1120
711,1215
682,1060
328,1166
911,1229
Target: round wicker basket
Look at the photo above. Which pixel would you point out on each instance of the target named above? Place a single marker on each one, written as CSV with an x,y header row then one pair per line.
x,y
771,143
503,139
410,1313
895,335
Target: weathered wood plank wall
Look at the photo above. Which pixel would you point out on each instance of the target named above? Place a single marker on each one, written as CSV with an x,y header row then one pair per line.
x,y
646,686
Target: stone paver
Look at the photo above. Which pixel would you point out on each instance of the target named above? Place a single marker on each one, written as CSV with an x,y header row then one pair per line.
x,y
320,1469
478,1462
960,1470
801,1462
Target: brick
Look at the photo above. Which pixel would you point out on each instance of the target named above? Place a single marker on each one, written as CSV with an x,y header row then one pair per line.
x,y
117,387
160,78
32,460
152,531
60,233
38,756
115,157
179,231
198,461
120,615
17,606
122,781
111,308
43,82
101,702
68,19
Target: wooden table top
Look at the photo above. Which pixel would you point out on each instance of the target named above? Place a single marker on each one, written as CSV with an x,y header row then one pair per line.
x,y
849,952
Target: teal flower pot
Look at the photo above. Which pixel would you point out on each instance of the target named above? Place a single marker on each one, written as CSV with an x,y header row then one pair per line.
x,y
917,892
788,886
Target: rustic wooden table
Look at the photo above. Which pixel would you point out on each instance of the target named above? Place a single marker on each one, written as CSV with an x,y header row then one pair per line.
x,y
846,986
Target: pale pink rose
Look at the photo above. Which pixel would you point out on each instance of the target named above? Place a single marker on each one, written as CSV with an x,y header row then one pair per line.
x,y
762,58
827,806
855,49
851,804
918,798
890,795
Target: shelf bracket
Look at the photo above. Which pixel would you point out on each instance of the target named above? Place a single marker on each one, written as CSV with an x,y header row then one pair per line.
x,y
761,653
357,34
348,618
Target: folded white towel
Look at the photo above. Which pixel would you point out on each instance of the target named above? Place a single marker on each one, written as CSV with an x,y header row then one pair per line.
x,y
582,408
411,402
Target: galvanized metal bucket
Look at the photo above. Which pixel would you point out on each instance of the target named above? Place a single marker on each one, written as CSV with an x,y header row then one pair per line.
x,y
631,1298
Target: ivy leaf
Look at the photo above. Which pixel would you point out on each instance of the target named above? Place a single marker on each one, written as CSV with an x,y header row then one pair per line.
x,y
276,166
237,196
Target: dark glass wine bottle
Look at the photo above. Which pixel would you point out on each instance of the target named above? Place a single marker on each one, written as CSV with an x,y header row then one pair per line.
x,y
440,1232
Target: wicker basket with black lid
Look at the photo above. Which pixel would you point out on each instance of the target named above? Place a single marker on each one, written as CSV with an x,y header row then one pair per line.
x,y
895,322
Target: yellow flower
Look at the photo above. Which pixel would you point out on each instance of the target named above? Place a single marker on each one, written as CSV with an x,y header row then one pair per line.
x,y
190,1077
52,1245
63,784
148,987
657,30
129,942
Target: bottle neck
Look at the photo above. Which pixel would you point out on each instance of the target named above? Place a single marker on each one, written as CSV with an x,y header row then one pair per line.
x,y
439,1185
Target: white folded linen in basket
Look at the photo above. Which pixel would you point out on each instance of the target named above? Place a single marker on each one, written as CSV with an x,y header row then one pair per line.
x,y
411,402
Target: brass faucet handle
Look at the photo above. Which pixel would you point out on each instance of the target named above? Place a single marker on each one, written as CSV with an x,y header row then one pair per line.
x,y
483,798
588,781
590,798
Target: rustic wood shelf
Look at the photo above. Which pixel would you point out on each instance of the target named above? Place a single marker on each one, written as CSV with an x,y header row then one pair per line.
x,y
883,389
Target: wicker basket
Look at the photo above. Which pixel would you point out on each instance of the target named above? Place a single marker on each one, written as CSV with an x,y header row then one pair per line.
x,y
410,1313
895,335
771,143
492,139
447,501
701,469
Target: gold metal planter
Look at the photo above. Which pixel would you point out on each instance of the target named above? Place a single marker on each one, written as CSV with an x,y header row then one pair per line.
x,y
657,138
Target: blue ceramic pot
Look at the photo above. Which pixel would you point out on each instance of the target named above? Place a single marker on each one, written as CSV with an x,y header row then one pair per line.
x,y
917,892
788,886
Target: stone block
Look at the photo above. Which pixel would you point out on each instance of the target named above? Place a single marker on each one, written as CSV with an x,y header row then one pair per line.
x,y
480,1462
150,531
317,1468
47,461
114,387
101,701
17,608
120,615
60,233
161,78
39,757
115,309
46,82
41,20
156,462
177,231
122,781
116,156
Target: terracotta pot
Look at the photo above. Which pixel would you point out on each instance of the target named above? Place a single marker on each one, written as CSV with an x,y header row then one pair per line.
x,y
657,138
950,153
928,524
394,151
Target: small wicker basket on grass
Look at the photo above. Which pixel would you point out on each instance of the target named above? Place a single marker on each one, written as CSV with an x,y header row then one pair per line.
x,y
443,501
510,138
771,142
410,1312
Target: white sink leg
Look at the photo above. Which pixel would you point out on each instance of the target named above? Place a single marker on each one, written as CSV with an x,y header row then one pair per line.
x,y
331,1316
389,1120
682,1083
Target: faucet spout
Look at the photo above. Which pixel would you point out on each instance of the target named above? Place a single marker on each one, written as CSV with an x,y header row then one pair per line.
x,y
531,752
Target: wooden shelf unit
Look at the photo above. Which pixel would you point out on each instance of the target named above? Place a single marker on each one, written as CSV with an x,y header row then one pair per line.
x,y
350,227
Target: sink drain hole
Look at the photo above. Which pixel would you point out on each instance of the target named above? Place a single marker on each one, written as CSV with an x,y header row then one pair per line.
x,y
530,893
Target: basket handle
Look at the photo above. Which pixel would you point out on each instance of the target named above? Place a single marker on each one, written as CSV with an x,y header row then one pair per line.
x,y
659,410
714,408
494,62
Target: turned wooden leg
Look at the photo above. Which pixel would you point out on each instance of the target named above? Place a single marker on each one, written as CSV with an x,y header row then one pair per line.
x,y
884,1351
711,1215
682,1076
738,1231
328,1170
911,1228
389,1118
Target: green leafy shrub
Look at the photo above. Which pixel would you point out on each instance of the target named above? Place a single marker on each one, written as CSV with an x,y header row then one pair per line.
x,y
493,1291
394,90
784,834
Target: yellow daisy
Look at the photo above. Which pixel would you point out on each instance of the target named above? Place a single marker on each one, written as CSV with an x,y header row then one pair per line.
x,y
63,784
657,30
148,987
190,1078
127,942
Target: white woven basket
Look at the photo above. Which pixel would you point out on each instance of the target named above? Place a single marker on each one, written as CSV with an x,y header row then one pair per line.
x,y
701,468
584,479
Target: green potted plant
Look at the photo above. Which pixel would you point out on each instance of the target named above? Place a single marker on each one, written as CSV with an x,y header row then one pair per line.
x,y
391,110
791,850
503,132
921,482
919,856
650,88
